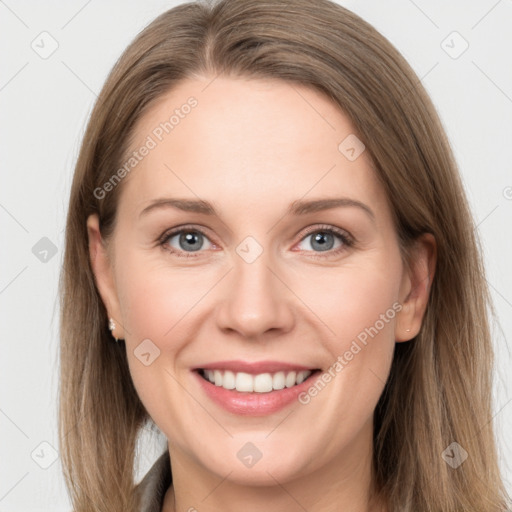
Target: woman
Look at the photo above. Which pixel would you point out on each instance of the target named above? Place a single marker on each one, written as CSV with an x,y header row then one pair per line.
x,y
270,257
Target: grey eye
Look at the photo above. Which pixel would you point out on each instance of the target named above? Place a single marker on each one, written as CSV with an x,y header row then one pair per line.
x,y
321,240
188,241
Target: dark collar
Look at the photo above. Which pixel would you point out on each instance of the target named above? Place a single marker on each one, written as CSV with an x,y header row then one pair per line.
x,y
155,483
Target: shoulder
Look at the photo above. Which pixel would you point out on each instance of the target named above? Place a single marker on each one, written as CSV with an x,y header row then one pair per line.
x,y
153,486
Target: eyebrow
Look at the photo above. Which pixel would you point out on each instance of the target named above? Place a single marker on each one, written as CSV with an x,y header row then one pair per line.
x,y
299,207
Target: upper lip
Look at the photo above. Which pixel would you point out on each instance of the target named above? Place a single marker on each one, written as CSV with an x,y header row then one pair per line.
x,y
254,367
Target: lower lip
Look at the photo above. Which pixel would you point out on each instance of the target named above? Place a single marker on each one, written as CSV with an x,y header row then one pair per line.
x,y
254,404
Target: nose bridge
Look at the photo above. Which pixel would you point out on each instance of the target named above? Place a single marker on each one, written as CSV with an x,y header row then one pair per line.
x,y
256,300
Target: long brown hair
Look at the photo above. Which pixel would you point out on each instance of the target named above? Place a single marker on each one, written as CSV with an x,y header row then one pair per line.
x,y
439,389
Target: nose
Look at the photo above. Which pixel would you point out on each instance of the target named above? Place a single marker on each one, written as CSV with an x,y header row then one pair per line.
x,y
256,300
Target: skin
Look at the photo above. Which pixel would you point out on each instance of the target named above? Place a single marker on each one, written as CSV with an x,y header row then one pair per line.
x,y
252,147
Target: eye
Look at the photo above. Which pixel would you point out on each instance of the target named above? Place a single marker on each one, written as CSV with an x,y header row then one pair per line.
x,y
327,239
186,241
183,241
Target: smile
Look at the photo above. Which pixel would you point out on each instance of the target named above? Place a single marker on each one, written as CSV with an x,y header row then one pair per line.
x,y
258,394
260,383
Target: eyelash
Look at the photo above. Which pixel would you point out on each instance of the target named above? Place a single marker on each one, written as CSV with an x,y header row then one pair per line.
x,y
345,238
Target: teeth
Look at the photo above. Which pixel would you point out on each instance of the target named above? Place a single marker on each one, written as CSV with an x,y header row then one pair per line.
x,y
278,380
261,383
290,379
243,382
228,381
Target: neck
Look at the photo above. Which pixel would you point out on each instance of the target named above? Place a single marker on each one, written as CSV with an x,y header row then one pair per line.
x,y
344,483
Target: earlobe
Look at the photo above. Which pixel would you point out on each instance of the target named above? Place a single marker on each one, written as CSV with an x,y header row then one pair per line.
x,y
418,281
103,273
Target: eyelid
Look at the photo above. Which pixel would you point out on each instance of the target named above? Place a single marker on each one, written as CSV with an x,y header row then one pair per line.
x,y
329,228
346,238
183,227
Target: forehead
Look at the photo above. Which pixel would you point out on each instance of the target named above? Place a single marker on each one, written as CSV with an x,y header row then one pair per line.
x,y
244,142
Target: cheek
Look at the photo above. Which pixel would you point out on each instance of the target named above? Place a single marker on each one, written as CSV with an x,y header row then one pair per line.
x,y
355,297
158,303
367,302
154,305
359,305
154,297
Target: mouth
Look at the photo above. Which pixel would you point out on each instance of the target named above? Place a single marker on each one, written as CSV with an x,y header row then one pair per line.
x,y
254,388
256,383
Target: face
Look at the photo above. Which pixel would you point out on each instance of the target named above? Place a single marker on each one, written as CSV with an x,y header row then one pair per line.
x,y
262,271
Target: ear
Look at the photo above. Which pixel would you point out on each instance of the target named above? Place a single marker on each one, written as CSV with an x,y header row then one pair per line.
x,y
103,274
415,287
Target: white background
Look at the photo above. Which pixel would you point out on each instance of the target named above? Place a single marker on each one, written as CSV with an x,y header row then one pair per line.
x,y
44,106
